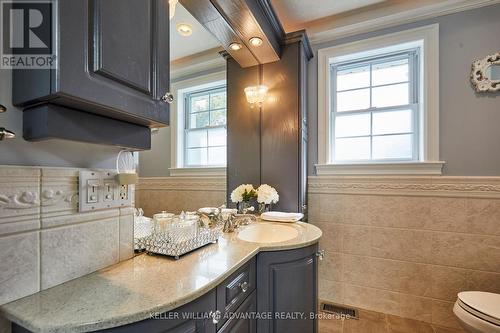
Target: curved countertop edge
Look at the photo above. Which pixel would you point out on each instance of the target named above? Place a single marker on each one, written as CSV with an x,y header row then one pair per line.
x,y
24,311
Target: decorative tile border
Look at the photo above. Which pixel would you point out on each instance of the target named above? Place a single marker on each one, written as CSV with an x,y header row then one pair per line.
x,y
442,186
182,183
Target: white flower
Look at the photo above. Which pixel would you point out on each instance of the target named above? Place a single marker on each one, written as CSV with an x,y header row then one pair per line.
x,y
237,194
267,194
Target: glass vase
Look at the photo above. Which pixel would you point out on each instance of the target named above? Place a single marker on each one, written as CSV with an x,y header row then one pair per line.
x,y
264,207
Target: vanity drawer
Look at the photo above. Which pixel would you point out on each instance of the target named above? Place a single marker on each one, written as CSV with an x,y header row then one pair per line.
x,y
235,289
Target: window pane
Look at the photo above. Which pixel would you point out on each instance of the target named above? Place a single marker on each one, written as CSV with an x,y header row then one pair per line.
x,y
217,137
353,100
196,139
217,155
353,78
352,125
199,120
218,118
352,149
199,103
197,156
396,94
392,146
390,72
392,122
218,100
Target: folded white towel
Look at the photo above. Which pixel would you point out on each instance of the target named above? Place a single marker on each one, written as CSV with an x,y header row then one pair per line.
x,y
281,216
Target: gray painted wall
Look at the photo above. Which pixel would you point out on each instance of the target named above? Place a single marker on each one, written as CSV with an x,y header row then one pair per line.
x,y
47,153
469,122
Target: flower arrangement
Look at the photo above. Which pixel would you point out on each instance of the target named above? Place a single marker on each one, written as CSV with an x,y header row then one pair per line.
x,y
243,193
266,196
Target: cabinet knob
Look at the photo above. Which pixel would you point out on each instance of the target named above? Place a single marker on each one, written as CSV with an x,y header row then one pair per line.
x,y
167,98
320,254
244,286
216,317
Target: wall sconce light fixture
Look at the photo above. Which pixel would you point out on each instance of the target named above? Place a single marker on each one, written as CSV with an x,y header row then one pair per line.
x,y
256,94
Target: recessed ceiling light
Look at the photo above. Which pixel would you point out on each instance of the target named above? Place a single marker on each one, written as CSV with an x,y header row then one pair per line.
x,y
184,29
235,46
256,41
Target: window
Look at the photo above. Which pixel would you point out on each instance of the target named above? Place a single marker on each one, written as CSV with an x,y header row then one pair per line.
x,y
375,108
205,128
198,118
378,105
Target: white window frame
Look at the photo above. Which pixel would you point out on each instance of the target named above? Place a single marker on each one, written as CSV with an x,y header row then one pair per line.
x,y
427,39
177,122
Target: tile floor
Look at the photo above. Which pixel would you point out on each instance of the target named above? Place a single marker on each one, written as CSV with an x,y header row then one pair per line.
x,y
374,322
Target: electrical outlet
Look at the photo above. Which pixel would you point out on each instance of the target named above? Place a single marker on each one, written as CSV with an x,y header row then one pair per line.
x,y
123,192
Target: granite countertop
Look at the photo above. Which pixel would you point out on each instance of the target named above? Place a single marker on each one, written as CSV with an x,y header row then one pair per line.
x,y
129,291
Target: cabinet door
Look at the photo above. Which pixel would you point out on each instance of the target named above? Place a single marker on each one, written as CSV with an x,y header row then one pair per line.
x,y
114,58
242,322
287,285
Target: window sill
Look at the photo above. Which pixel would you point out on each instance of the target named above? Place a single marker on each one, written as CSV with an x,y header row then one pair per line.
x,y
402,168
198,172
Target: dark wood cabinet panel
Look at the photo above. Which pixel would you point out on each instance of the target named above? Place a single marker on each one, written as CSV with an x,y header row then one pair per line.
x,y
112,61
239,323
287,283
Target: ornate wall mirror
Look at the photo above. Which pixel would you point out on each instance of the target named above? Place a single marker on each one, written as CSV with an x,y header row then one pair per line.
x,y
485,75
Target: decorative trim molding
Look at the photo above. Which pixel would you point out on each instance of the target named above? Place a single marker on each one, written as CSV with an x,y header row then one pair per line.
x,y
217,184
416,168
23,200
435,186
300,36
321,35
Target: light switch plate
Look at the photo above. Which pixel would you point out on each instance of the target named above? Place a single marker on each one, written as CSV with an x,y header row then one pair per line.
x,y
100,190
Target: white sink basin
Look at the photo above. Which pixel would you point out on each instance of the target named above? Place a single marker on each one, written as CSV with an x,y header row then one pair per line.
x,y
267,233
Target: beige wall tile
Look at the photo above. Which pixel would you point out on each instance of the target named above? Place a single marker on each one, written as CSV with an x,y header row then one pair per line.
x,y
331,291
402,244
415,279
331,267
19,266
357,240
72,251
400,212
331,208
483,216
466,251
447,214
442,314
332,238
313,207
357,270
447,282
126,233
372,299
484,281
415,307
357,209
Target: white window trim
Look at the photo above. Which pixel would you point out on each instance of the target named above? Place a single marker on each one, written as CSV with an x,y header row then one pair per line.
x,y
429,162
177,122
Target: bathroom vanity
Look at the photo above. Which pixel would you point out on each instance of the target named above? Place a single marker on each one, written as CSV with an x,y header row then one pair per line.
x,y
231,286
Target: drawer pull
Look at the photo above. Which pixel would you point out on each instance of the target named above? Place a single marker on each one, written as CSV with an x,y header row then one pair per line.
x,y
216,317
244,286
320,254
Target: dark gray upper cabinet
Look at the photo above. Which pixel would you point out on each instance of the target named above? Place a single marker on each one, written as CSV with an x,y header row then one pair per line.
x,y
287,282
113,60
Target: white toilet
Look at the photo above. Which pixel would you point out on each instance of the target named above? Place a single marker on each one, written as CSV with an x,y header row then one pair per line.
x,y
478,312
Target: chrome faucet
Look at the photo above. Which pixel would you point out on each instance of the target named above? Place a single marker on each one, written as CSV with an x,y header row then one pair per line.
x,y
234,221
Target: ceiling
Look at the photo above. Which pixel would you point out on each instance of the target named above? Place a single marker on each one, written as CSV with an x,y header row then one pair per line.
x,y
293,14
201,40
